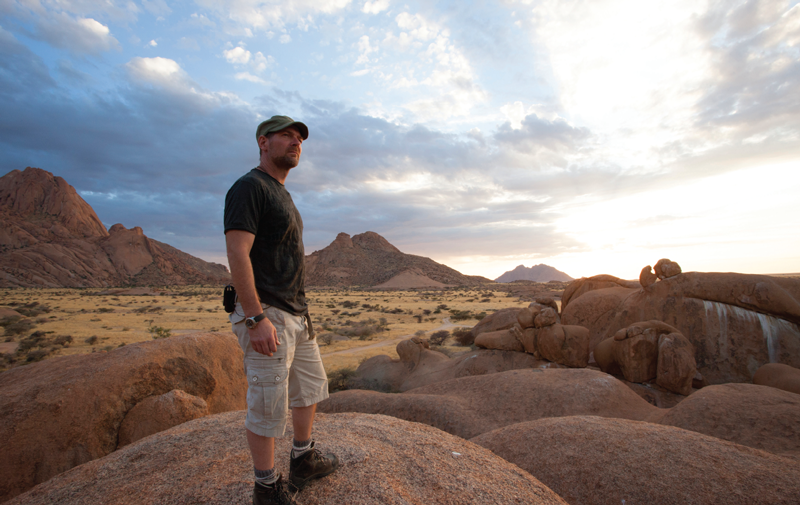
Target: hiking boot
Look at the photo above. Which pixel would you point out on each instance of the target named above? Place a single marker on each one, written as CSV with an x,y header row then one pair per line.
x,y
275,494
309,466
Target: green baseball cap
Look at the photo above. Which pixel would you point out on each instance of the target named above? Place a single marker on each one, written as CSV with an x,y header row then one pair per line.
x,y
278,123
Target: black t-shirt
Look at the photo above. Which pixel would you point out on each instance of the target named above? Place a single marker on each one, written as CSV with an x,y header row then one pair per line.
x,y
259,204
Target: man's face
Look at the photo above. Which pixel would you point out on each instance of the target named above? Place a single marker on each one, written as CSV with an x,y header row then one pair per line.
x,y
284,147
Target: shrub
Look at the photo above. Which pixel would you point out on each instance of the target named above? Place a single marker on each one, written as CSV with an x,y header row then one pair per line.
x,y
159,332
338,379
438,337
9,320
91,340
463,336
19,327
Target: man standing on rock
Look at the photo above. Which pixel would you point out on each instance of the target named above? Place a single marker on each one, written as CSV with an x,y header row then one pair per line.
x,y
264,237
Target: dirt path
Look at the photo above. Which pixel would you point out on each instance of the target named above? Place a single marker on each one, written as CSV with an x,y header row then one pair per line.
x,y
446,325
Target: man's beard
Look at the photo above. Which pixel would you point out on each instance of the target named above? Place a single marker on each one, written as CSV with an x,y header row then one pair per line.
x,y
286,161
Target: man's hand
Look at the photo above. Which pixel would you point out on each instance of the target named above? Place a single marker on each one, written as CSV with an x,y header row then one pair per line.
x,y
264,337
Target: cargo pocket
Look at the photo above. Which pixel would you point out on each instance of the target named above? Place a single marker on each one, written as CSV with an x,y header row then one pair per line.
x,y
267,392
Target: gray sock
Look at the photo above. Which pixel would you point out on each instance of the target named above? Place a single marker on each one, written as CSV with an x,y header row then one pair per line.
x,y
266,477
300,447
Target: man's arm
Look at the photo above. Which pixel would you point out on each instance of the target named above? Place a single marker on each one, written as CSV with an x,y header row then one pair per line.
x,y
264,338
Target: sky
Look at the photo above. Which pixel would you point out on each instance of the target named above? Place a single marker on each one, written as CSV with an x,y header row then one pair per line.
x,y
592,136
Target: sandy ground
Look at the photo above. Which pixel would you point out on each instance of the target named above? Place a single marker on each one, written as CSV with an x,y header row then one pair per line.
x,y
100,320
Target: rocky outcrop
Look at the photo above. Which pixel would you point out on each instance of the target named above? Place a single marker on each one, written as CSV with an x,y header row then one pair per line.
x,y
778,376
469,406
594,460
736,322
649,350
50,237
419,366
536,273
756,416
383,460
69,410
159,413
370,260
502,319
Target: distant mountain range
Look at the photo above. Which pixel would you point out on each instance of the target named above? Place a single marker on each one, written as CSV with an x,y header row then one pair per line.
x,y
50,237
370,260
536,273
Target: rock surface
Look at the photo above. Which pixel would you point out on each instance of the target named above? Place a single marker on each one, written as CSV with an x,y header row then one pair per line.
x,y
756,416
383,460
159,413
779,376
469,406
370,260
50,237
503,319
736,322
419,366
594,460
66,411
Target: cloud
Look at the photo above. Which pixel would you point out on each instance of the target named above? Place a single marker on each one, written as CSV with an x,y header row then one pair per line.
x,y
285,38
364,49
245,76
153,43
81,35
375,7
263,15
237,55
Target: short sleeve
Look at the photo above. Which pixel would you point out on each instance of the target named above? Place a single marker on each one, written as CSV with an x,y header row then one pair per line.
x,y
242,207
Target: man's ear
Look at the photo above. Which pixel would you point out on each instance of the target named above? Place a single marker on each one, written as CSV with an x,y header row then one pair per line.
x,y
263,143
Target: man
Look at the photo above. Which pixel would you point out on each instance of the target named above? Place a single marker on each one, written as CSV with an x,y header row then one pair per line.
x,y
264,238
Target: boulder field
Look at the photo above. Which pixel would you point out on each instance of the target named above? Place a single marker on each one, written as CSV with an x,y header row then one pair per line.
x,y
756,416
593,460
735,322
66,411
383,460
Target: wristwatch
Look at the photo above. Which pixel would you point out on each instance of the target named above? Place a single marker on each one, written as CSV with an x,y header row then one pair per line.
x,y
252,322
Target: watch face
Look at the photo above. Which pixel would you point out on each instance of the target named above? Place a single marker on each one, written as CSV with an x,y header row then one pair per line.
x,y
250,323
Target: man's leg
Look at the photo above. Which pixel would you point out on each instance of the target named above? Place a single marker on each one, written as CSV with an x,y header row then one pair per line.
x,y
303,421
262,449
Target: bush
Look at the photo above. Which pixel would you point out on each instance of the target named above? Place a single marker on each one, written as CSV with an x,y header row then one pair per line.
x,y
91,340
20,327
9,320
159,332
464,336
438,337
338,379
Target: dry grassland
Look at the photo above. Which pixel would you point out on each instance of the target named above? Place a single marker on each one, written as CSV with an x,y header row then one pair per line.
x,y
58,322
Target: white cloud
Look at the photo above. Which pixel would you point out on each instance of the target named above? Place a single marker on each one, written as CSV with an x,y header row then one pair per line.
x,y
153,43
375,7
364,49
246,76
267,14
156,7
285,38
81,35
237,55
261,62
161,71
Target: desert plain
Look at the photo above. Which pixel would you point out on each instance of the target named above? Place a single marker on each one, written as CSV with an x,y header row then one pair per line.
x,y
352,324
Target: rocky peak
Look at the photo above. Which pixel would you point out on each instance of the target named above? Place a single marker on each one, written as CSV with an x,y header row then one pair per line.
x,y
371,241
36,193
342,241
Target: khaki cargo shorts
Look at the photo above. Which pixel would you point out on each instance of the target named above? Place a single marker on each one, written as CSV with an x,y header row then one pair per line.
x,y
292,376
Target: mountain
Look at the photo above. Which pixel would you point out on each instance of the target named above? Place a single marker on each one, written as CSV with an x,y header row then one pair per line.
x,y
537,273
50,237
370,260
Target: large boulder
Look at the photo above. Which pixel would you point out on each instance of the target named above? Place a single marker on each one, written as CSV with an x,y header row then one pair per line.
x,y
779,376
503,319
159,413
502,340
595,460
383,460
66,411
736,322
469,406
756,416
649,350
419,366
